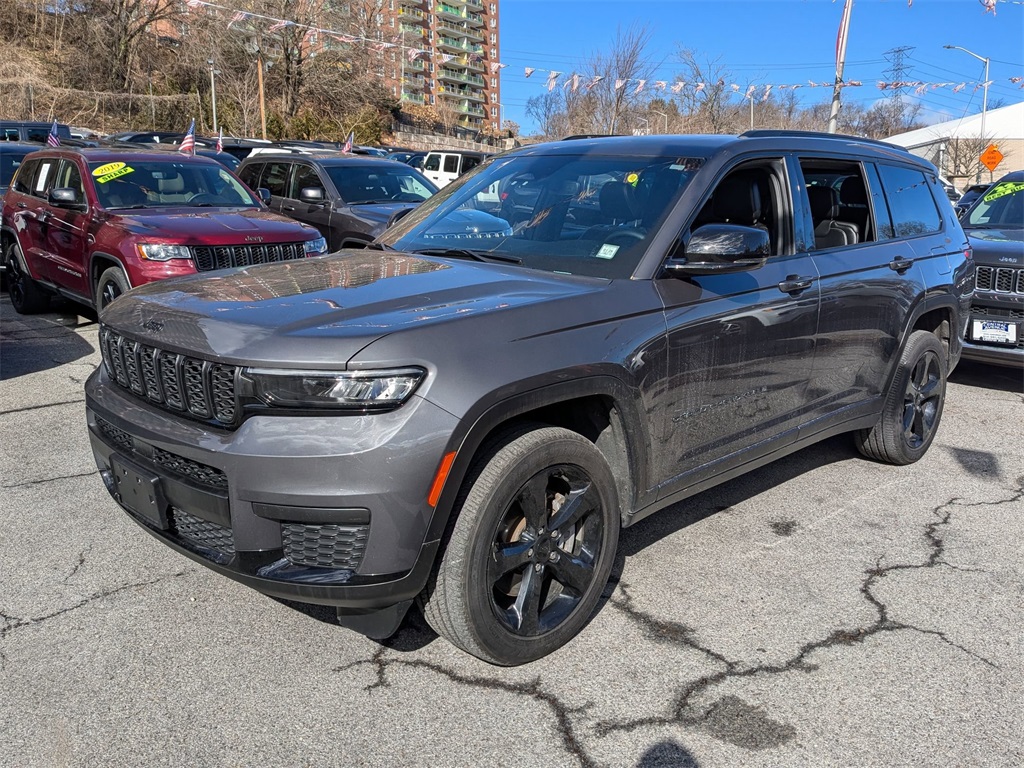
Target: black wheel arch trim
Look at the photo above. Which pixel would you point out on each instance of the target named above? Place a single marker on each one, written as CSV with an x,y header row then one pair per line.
x,y
487,416
95,272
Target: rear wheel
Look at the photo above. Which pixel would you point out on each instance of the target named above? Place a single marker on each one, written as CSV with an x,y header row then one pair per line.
x,y
112,283
531,549
27,296
913,407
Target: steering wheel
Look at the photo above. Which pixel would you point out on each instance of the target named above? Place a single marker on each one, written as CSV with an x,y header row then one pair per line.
x,y
202,197
625,237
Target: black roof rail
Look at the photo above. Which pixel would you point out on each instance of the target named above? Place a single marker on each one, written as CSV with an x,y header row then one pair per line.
x,y
768,133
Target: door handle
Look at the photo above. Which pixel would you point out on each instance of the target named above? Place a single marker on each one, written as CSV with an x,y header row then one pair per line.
x,y
23,204
901,265
794,284
288,207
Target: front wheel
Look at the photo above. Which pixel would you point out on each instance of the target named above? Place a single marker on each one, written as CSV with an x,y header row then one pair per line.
x,y
913,406
112,283
531,550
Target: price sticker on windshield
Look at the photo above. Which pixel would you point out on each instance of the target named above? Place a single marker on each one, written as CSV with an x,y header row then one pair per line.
x,y
1004,189
111,171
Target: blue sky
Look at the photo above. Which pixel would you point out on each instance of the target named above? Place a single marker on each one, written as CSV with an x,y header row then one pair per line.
x,y
775,42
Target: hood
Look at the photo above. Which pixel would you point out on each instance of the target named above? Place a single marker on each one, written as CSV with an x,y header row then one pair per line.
x,y
320,312
377,216
997,247
212,226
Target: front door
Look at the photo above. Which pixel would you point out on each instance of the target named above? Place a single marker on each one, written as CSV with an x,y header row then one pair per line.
x,y
65,233
741,345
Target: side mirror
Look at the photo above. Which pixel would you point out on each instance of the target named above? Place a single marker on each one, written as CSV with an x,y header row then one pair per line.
x,y
65,197
263,194
312,195
719,248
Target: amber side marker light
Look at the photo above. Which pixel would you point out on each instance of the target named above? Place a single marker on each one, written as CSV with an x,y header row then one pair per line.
x,y
442,474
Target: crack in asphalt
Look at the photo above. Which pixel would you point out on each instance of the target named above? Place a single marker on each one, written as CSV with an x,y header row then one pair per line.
x,y
50,479
79,564
686,712
40,407
533,690
11,623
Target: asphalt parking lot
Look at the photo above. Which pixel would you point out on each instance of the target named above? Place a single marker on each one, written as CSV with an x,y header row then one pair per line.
x,y
825,610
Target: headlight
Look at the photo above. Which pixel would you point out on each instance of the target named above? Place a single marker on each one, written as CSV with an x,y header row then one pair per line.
x,y
161,252
359,390
316,247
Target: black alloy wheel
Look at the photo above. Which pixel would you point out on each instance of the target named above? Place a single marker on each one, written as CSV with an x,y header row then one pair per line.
x,y
923,400
112,283
26,295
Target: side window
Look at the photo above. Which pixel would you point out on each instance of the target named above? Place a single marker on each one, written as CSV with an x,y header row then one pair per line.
x,y
910,200
275,178
70,177
451,163
752,196
837,194
469,163
304,176
251,175
883,222
38,135
43,178
432,163
23,179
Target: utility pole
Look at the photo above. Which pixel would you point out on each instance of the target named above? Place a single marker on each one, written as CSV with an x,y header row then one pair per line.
x,y
213,94
844,28
898,73
259,80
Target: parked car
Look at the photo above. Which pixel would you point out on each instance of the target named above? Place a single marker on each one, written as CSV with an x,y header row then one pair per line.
x,y
995,226
12,154
349,199
91,223
225,158
413,158
967,199
443,167
35,132
468,411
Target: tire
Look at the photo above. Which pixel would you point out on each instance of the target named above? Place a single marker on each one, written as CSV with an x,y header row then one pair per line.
x,y
543,588
913,406
112,283
27,296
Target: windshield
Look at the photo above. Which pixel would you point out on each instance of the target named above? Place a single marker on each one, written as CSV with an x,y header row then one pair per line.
x,y
380,183
155,184
1001,206
577,214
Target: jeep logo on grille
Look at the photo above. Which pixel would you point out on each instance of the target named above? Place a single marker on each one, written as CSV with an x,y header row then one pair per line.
x,y
153,325
254,239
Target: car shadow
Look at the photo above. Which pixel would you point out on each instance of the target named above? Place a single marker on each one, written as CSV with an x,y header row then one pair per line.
x,y
999,377
34,343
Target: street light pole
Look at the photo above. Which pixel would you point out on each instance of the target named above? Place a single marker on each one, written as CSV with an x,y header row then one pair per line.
x,y
984,98
213,94
656,112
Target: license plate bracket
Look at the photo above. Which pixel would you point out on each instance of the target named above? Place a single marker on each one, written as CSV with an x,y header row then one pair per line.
x,y
994,331
140,492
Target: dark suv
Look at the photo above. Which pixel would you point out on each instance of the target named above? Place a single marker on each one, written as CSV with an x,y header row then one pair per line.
x,y
995,227
349,199
91,223
467,412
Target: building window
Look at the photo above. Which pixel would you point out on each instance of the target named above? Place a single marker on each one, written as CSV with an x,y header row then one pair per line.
x,y
493,8
494,98
494,111
494,23
392,23
494,82
494,53
494,38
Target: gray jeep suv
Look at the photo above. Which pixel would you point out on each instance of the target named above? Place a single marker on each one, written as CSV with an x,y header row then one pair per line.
x,y
466,413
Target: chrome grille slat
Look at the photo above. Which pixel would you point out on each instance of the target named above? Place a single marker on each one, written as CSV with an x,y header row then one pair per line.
x,y
1000,279
197,388
224,256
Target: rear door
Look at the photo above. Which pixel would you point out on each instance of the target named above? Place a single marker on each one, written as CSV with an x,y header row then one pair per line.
x,y
31,213
276,177
869,285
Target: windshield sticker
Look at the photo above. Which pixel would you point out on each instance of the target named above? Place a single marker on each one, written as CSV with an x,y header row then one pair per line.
x,y
103,170
1001,190
687,164
607,251
115,174
633,178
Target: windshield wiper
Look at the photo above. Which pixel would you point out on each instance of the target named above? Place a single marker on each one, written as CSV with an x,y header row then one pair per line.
x,y
378,247
465,253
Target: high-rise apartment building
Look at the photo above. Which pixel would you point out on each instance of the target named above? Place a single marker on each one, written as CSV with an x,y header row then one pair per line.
x,y
448,58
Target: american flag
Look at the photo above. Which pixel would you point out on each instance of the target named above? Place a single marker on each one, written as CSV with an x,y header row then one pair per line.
x,y
53,139
188,144
349,142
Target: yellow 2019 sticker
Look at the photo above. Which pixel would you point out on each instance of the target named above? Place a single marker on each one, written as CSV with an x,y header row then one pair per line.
x,y
1001,190
115,174
632,178
103,170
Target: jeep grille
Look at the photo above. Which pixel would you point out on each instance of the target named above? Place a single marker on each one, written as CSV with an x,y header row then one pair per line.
x,y
209,257
190,386
1000,279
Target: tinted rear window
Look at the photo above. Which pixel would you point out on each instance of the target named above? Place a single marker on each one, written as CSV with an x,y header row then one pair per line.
x,y
910,200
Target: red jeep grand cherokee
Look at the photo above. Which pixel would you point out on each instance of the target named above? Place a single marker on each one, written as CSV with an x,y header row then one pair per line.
x,y
92,223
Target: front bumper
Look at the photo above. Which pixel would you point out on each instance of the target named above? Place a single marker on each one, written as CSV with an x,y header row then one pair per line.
x,y
319,509
1006,309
